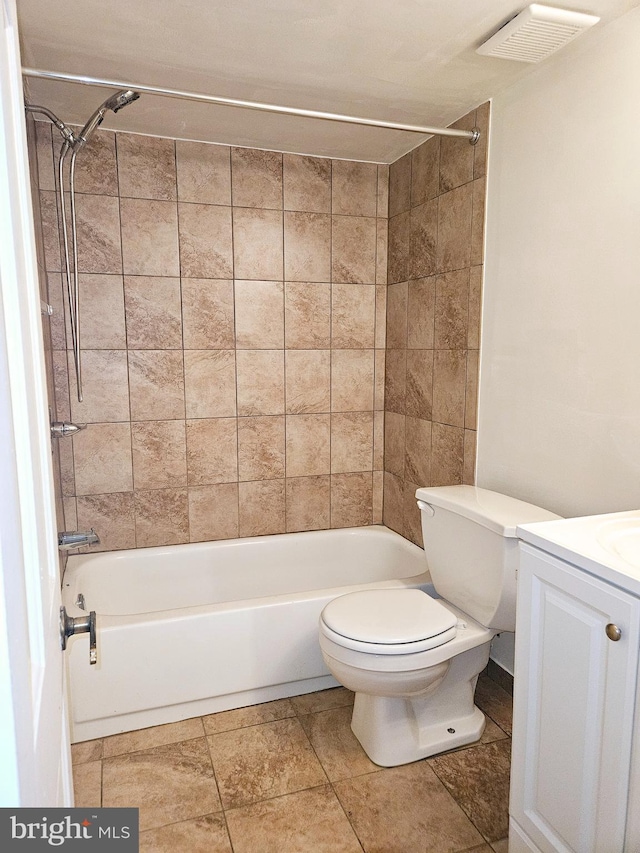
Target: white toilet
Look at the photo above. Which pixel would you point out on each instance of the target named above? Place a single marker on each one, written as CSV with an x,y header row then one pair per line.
x,y
413,660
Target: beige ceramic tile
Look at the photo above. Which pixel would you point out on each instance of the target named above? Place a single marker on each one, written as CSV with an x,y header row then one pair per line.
x,y
335,744
381,316
354,188
307,315
212,451
412,516
449,383
50,232
149,237
353,316
204,172
153,312
406,810
260,382
417,460
400,185
159,454
308,445
261,762
447,455
261,507
394,443
96,169
261,448
210,383
351,442
88,750
156,380
425,171
206,834
471,393
382,243
304,821
308,381
477,221
307,183
382,207
307,246
98,229
205,241
258,244
396,381
475,307
168,783
112,517
423,239
259,311
393,506
479,780
146,167
254,715
353,249
162,517
102,312
398,250
480,148
454,229
495,702
469,463
419,383
452,310
105,386
379,379
322,700
378,441
378,496
102,459
213,512
135,741
308,503
397,315
57,299
421,313
501,846
456,156
87,785
67,476
44,156
256,178
351,500
352,376
207,313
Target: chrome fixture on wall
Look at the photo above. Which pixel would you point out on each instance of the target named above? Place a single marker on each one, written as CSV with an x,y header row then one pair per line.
x,y
61,429
74,142
69,539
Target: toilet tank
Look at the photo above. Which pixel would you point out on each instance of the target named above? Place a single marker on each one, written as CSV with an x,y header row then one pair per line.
x,y
472,550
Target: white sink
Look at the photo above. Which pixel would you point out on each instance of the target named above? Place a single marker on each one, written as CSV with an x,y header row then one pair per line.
x,y
621,536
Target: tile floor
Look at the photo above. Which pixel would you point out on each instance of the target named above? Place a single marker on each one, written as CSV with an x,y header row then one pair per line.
x,y
289,777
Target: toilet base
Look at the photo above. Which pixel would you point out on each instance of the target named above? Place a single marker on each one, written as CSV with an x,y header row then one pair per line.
x,y
396,730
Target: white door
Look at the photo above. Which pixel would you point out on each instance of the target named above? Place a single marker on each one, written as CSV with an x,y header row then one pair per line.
x,y
34,743
573,707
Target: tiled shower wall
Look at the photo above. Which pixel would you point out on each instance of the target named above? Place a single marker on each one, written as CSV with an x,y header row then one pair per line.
x,y
233,309
436,228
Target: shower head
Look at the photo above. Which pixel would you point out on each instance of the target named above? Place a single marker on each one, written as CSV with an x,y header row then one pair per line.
x,y
114,103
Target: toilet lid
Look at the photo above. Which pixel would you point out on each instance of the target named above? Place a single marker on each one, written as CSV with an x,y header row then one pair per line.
x,y
388,616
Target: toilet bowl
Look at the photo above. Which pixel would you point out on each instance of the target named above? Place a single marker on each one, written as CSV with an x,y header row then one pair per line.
x,y
412,659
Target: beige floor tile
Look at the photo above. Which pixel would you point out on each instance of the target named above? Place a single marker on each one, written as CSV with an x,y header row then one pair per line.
x,y
206,834
154,736
88,750
168,783
322,700
406,810
87,784
478,778
501,846
260,762
254,715
495,702
335,744
305,822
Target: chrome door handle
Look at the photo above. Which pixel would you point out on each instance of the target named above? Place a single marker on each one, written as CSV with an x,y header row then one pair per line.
x,y
70,625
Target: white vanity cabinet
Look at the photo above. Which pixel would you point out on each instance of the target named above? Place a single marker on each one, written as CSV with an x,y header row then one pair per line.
x,y
576,683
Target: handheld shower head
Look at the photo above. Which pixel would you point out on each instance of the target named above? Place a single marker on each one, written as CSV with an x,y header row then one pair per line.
x,y
114,103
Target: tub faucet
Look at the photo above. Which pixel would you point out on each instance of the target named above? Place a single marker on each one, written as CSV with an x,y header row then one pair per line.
x,y
69,539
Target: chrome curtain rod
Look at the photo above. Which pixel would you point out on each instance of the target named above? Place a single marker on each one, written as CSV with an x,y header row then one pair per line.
x,y
471,135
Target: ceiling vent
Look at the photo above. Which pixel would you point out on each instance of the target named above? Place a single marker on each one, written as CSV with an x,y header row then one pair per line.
x,y
537,32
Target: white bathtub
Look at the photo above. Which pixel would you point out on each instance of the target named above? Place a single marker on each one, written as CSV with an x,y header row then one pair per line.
x,y
193,629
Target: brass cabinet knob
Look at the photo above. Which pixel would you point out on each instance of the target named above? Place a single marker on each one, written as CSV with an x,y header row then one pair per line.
x,y
613,632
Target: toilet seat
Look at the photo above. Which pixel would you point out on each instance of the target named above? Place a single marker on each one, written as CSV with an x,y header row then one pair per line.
x,y
388,621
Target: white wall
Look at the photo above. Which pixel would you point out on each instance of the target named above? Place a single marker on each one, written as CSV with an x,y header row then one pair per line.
x,y
559,416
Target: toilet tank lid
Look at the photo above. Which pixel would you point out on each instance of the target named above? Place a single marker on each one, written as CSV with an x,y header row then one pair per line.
x,y
497,512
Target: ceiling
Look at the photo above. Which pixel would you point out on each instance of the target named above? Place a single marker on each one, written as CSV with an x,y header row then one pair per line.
x,y
409,61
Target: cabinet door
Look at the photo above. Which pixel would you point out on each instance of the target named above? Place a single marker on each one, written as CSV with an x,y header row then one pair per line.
x,y
573,707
